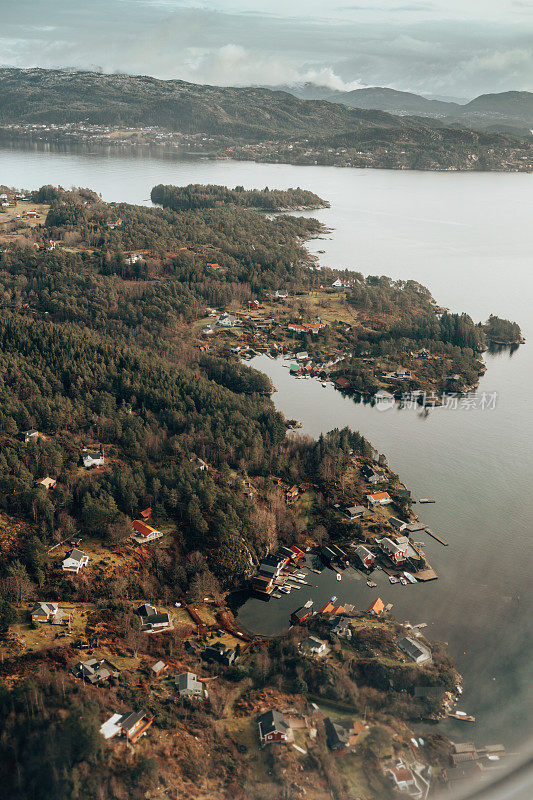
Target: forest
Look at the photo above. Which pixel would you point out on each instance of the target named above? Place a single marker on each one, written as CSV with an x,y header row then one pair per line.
x,y
181,198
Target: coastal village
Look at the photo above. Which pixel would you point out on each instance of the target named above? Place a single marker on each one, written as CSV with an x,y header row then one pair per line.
x,y
511,156
188,657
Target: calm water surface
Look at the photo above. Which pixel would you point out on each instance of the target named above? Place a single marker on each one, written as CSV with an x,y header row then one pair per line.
x,y
468,238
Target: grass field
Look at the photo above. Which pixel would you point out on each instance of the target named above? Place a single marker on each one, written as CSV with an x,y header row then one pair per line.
x,y
15,212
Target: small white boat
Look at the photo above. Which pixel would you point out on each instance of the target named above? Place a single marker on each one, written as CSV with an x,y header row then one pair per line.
x,y
339,576
403,581
324,384
410,578
371,584
285,589
392,579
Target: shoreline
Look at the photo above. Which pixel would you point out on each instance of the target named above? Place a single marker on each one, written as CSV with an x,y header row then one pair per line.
x,y
180,151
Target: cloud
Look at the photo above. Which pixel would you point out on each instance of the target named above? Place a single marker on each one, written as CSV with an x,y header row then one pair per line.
x,y
234,65
208,41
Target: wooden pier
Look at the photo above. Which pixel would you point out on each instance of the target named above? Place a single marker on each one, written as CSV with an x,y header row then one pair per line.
x,y
436,537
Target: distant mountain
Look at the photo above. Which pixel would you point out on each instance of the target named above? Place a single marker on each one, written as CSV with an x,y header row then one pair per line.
x,y
379,98
510,104
505,111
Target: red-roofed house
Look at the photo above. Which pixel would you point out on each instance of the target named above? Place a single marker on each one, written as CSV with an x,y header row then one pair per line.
x,y
292,494
376,608
379,498
144,532
298,554
403,779
329,608
146,514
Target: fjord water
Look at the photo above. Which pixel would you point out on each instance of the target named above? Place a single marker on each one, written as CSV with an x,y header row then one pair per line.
x,y
468,238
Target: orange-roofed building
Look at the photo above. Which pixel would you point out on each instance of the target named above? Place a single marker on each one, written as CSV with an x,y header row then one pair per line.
x,y
329,608
298,554
144,532
377,607
146,514
379,498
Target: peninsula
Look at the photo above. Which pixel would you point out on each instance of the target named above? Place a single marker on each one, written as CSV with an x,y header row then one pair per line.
x,y
145,474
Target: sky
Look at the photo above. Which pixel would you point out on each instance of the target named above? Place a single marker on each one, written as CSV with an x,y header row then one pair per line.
x,y
449,48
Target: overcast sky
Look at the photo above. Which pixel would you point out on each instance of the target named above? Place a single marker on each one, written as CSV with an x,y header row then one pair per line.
x,y
459,48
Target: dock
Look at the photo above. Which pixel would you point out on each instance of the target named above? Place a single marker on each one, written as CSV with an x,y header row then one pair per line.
x,y
426,575
436,537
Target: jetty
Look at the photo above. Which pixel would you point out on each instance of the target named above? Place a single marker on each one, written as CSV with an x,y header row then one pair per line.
x,y
437,537
462,715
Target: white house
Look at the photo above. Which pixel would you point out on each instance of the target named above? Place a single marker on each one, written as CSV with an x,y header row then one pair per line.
x,y
30,436
337,284
415,651
49,612
379,498
46,483
188,685
399,524
315,647
134,258
227,320
403,780
75,560
199,464
92,458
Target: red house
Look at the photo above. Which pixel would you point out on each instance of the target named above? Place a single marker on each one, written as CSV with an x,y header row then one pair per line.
x,y
298,554
364,555
299,616
395,550
273,727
